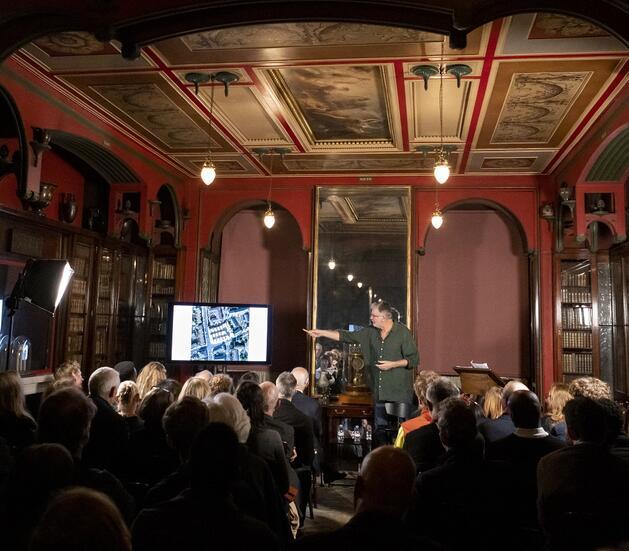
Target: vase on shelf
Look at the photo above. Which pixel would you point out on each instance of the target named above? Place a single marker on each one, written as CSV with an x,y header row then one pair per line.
x,y
68,208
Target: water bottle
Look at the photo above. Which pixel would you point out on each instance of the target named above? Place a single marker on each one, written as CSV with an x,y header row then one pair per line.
x,y
368,433
340,435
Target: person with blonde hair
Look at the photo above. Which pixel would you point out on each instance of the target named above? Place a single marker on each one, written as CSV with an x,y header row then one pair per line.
x,y
152,374
422,380
128,397
492,403
221,383
17,426
554,421
70,369
195,386
590,387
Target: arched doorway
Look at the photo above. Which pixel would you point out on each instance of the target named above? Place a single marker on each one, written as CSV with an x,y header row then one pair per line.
x,y
474,293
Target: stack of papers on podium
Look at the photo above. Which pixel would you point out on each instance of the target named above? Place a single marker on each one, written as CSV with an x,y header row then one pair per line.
x,y
479,365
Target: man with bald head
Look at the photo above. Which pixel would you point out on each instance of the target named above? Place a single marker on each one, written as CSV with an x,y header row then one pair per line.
x,y
382,494
495,429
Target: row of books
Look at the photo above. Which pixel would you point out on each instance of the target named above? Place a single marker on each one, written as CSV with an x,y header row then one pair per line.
x,y
79,287
578,363
75,344
576,295
77,305
579,317
163,271
103,307
76,324
157,350
577,339
581,279
79,265
163,289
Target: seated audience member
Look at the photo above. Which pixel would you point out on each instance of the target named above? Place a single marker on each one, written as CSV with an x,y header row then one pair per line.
x,y
583,488
616,439
495,429
221,383
40,471
128,397
554,422
182,523
17,426
182,421
70,369
126,370
286,432
79,519
423,418
57,384
150,457
109,437
264,442
453,499
204,374
170,385
255,492
589,387
522,450
492,403
423,444
383,492
150,375
195,386
250,376
64,418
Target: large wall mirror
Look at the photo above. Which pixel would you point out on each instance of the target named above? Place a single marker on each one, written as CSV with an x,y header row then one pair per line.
x,y
362,248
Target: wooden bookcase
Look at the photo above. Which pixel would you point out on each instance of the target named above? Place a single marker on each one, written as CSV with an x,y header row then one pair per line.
x,y
577,338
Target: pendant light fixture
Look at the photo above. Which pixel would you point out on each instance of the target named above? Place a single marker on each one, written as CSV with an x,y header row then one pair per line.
x,y
269,215
442,168
208,170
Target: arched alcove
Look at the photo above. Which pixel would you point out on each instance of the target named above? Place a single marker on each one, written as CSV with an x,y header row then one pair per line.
x,y
167,229
474,292
261,266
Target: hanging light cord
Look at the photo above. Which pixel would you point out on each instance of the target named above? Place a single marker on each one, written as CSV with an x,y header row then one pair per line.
x,y
268,199
209,136
441,100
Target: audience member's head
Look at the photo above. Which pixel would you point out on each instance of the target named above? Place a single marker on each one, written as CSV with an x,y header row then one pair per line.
x,y
225,408
128,397
104,384
385,482
151,374
214,461
182,421
64,418
302,377
492,403
437,392
12,401
250,396
508,390
171,385
586,420
271,397
614,420
221,383
558,397
286,385
204,374
195,386
126,370
457,424
590,387
250,376
525,409
153,406
420,385
79,519
64,382
72,369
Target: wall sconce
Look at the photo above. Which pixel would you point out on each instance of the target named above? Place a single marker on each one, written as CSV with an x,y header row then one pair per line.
x,y
548,212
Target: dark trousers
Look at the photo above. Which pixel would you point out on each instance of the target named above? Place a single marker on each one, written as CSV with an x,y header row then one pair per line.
x,y
385,426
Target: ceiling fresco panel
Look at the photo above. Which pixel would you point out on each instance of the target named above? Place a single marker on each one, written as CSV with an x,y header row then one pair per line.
x,y
337,104
537,103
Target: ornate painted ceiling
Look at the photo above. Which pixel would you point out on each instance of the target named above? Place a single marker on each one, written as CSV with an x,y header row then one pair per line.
x,y
343,98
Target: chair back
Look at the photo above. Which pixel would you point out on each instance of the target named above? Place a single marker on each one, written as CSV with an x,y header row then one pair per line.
x,y
401,410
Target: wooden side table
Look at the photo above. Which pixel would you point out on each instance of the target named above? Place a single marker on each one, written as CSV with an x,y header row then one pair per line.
x,y
333,416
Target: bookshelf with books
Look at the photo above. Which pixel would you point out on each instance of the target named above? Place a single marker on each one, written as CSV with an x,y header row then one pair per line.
x,y
576,317
104,307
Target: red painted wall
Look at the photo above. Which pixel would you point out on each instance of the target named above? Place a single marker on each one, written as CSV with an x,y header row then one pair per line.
x,y
263,266
473,295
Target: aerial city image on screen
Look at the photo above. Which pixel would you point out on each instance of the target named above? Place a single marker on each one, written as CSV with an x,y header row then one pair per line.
x,y
220,333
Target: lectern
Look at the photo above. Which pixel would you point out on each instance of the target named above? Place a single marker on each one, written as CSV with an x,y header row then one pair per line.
x,y
477,380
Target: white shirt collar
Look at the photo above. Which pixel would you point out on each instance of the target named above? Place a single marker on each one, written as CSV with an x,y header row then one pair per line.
x,y
538,432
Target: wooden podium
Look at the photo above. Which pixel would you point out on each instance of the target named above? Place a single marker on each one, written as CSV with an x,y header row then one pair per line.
x,y
476,380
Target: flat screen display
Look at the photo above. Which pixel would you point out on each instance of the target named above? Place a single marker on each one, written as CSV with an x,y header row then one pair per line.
x,y
220,333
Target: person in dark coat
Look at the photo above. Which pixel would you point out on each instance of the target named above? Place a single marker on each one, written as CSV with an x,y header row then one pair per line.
x,y
495,429
17,427
182,523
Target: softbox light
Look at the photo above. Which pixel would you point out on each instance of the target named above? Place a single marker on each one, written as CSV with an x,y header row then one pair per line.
x,y
43,283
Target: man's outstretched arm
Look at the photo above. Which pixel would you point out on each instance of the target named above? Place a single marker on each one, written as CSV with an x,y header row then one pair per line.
x,y
327,333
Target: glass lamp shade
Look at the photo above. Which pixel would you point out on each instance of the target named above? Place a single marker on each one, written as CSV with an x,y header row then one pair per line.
x,y
208,172
442,171
269,218
350,277
437,219
359,285
331,264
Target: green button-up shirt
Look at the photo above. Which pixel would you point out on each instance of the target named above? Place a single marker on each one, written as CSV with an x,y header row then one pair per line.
x,y
394,385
